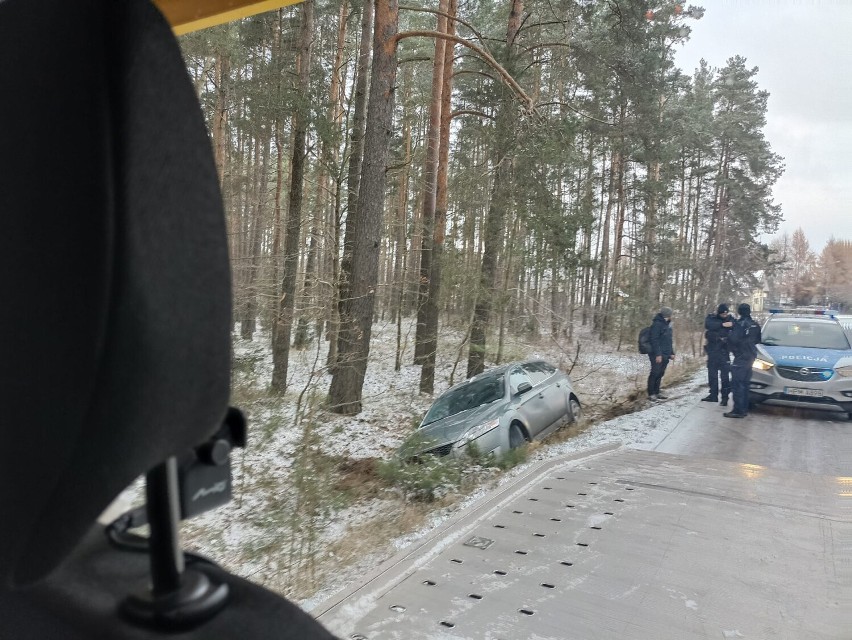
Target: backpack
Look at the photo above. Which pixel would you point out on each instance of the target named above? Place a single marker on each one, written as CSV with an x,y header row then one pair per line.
x,y
740,341
714,340
645,340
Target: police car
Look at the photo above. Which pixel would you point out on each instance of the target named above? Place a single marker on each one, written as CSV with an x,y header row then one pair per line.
x,y
804,360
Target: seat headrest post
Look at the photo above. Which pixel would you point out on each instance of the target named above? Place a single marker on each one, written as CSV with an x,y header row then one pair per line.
x,y
178,598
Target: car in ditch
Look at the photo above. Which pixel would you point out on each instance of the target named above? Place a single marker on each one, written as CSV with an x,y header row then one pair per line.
x,y
804,360
498,410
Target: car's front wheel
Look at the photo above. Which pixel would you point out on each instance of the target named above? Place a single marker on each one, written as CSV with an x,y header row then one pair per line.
x,y
516,436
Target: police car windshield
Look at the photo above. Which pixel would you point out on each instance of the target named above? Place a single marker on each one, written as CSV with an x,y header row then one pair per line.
x,y
804,333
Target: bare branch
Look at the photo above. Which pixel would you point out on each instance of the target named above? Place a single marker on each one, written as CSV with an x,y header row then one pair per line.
x,y
487,57
448,16
547,44
416,59
462,72
545,24
579,113
472,112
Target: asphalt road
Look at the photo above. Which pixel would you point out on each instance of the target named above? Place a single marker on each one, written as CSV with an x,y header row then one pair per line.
x,y
784,438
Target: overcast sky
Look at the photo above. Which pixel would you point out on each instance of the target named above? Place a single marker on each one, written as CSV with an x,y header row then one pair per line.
x,y
803,50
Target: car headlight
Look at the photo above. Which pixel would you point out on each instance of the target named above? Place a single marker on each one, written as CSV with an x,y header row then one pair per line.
x,y
479,430
846,372
761,365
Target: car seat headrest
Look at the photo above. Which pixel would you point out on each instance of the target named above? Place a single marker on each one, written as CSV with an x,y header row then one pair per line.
x,y
116,315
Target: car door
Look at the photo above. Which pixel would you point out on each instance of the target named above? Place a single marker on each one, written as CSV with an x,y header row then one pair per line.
x,y
548,384
530,404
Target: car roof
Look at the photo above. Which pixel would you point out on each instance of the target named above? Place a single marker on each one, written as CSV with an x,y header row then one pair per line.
x,y
802,318
498,370
505,367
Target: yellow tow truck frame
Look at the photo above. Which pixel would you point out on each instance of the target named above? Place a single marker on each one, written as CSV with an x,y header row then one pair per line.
x,y
192,15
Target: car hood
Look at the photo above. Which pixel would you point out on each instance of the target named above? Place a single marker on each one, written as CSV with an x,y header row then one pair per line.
x,y
452,428
806,357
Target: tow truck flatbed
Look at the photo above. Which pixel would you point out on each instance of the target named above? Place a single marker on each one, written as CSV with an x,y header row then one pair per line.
x,y
622,543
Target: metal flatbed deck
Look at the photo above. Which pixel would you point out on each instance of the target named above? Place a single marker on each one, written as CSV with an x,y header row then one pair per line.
x,y
621,543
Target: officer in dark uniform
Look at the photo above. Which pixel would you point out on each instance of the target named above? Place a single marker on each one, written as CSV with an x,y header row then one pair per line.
x,y
662,351
718,326
743,342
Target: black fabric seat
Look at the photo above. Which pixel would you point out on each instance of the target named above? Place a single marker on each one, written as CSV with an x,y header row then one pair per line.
x,y
116,309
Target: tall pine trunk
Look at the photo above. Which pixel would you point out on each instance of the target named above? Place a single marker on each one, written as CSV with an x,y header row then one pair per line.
x,y
290,263
401,252
356,318
500,195
356,153
430,179
258,227
430,334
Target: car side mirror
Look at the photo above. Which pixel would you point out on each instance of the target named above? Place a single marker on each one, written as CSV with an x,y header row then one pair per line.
x,y
523,388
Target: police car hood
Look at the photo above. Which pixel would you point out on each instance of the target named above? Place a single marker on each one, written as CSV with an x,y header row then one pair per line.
x,y
806,356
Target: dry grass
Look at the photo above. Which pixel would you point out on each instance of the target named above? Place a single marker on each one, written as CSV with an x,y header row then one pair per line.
x,y
359,479
397,519
371,541
564,434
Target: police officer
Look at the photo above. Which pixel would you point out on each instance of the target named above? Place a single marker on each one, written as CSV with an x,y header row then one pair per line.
x,y
743,340
662,350
718,326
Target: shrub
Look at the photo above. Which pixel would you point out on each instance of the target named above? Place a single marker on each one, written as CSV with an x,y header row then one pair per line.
x,y
427,478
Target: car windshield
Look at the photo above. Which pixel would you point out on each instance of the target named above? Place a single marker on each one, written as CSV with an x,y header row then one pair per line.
x,y
474,394
817,335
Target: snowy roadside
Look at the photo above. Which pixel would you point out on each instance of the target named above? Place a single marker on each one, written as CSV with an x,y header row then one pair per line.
x,y
643,429
392,405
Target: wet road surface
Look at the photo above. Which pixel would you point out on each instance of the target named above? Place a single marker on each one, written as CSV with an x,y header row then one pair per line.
x,y
783,438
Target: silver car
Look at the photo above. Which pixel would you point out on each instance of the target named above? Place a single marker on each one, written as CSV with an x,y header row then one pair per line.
x,y
499,410
803,361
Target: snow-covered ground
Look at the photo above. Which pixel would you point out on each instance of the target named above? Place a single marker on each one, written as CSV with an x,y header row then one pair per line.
x,y
392,404
291,528
643,429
